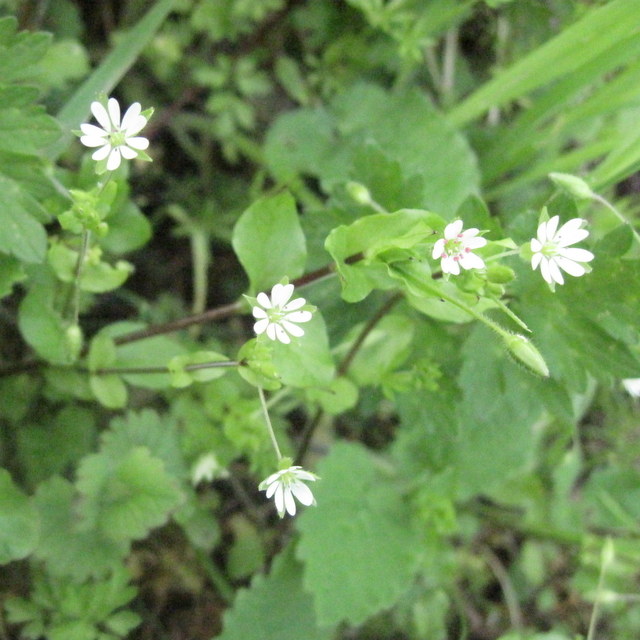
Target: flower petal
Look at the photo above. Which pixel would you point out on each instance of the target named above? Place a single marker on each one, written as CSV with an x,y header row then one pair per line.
x,y
292,329
280,294
535,260
302,493
294,304
127,153
281,334
271,331
571,267
299,316
550,229
263,300
545,271
452,230
138,143
261,326
474,243
279,499
564,240
131,115
536,245
114,159
102,153
554,271
113,107
471,261
93,141
258,312
438,249
271,489
101,115
289,502
93,131
578,255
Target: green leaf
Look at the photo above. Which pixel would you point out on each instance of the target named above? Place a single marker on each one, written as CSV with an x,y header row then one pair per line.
x,y
355,247
181,377
19,524
276,607
19,51
42,326
25,130
363,520
108,74
126,496
306,361
145,429
21,235
156,351
269,242
602,28
11,272
109,390
68,547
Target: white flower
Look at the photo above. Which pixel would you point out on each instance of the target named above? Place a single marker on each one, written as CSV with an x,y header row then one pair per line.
x,y
276,316
116,139
550,250
632,385
455,250
287,484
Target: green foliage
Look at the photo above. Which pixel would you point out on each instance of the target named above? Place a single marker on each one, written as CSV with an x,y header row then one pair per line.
x,y
476,452
374,544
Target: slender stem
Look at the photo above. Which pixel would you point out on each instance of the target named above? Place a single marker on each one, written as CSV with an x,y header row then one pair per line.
x,y
103,371
449,64
312,424
596,605
618,214
504,254
267,419
73,301
510,595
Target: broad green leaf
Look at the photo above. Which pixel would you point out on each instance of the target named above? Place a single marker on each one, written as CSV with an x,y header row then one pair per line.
x,y
40,324
385,348
269,242
108,74
611,498
21,235
355,247
306,361
362,517
67,546
156,351
126,496
109,390
145,428
275,607
495,416
25,130
19,524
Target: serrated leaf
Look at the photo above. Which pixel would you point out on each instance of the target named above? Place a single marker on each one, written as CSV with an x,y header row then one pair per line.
x,y
19,523
21,234
19,51
126,496
275,607
68,548
269,242
364,522
145,429
26,130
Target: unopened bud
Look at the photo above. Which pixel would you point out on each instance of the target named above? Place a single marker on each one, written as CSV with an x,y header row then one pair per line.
x,y
527,354
500,274
358,192
74,341
572,185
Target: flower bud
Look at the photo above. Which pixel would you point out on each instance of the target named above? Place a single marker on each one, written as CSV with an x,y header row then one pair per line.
x,y
74,340
500,274
358,192
527,354
573,185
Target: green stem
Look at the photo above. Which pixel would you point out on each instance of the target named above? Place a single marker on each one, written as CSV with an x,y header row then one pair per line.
x,y
103,371
596,605
267,420
618,214
73,300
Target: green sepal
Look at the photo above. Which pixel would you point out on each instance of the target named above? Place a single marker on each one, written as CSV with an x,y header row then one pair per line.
x,y
256,365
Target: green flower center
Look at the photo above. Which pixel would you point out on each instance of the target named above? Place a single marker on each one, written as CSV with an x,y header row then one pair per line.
x,y
117,139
